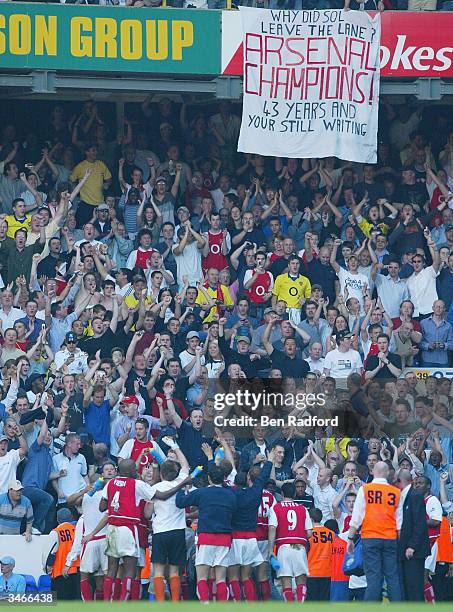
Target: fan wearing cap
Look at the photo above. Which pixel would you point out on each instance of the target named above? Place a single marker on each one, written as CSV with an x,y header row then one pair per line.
x,y
188,358
71,356
343,361
141,448
9,581
102,223
15,509
131,408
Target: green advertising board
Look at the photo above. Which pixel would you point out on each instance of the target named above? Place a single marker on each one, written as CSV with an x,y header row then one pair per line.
x,y
113,39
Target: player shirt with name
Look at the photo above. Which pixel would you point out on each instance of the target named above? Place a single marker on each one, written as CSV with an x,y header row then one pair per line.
x,y
292,522
123,496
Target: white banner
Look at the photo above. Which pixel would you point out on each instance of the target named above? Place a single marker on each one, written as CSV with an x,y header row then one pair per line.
x,y
311,83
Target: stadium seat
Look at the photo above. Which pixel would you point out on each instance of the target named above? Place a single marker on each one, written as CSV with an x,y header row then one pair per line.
x,y
30,583
44,583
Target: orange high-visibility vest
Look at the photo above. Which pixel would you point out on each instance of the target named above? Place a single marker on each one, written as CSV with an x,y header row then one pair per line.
x,y
65,532
445,542
381,502
320,553
338,554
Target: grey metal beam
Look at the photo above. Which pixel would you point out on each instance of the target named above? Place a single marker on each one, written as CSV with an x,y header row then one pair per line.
x,y
41,83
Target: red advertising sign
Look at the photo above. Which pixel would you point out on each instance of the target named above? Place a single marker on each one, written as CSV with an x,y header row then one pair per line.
x,y
412,44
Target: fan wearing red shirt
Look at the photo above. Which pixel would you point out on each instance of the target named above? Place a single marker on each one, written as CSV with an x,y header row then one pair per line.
x,y
141,449
161,399
406,313
217,245
289,530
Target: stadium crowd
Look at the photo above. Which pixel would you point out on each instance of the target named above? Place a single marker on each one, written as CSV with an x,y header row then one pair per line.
x,y
147,275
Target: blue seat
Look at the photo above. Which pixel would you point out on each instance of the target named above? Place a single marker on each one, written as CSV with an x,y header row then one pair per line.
x,y
30,583
44,583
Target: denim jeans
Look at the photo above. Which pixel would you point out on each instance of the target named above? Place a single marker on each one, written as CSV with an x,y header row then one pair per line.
x,y
42,502
379,562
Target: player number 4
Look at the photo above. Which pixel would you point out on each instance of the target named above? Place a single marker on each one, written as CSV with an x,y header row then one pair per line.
x,y
115,504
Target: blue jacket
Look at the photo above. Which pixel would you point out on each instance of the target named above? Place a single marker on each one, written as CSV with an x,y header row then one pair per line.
x,y
248,501
216,507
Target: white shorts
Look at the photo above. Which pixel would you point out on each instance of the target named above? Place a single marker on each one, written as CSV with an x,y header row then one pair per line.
x,y
430,562
93,559
213,556
263,546
293,561
245,552
122,542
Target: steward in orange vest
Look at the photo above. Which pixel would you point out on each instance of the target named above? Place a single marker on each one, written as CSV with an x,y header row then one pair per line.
x,y
377,510
67,587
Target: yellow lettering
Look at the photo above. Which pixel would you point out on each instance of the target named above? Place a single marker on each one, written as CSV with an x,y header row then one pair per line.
x,y
2,34
46,35
81,45
20,34
157,39
131,39
182,36
105,45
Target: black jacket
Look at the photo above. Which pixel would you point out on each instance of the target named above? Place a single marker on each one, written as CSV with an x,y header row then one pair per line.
x,y
414,530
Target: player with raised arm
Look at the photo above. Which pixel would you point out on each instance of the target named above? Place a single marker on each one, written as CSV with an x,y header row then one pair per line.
x,y
216,507
289,530
168,550
121,497
244,553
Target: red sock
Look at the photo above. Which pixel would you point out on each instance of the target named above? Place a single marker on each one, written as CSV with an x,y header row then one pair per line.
x,y
126,585
222,591
288,595
159,588
301,592
203,590
136,589
116,589
429,593
109,583
99,595
249,589
235,590
211,587
86,591
265,590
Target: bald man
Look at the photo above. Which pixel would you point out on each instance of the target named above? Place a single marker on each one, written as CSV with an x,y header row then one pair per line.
x,y
413,545
378,513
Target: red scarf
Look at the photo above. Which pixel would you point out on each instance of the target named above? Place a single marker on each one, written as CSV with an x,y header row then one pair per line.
x,y
219,295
